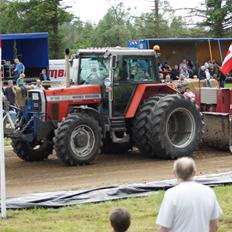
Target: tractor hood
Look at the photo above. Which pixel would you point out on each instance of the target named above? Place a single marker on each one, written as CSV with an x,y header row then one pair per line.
x,y
61,100
75,93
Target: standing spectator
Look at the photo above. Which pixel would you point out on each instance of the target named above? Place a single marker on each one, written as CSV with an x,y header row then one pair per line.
x,y
215,70
207,63
21,80
175,73
19,68
39,85
120,220
44,76
189,206
10,93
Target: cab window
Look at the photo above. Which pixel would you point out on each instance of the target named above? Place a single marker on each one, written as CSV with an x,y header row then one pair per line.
x,y
93,70
135,70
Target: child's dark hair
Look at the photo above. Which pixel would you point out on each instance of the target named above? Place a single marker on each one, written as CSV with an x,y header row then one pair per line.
x,y
120,219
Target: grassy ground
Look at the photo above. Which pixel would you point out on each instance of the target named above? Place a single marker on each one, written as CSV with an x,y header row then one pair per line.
x,y
94,217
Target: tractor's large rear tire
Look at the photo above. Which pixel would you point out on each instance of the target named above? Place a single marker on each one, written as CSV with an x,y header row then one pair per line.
x,y
35,151
78,139
169,127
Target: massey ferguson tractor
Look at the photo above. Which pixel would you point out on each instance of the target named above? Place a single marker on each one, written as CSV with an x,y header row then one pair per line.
x,y
116,102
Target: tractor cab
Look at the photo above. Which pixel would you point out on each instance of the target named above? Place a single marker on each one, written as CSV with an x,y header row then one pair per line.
x,y
118,71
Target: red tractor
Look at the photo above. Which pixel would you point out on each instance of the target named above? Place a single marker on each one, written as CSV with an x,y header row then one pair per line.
x,y
116,102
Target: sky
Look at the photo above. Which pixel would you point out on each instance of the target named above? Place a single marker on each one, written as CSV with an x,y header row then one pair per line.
x,y
94,10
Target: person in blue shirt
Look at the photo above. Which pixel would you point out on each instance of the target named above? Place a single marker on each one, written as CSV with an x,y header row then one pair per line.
x,y
44,76
21,80
19,68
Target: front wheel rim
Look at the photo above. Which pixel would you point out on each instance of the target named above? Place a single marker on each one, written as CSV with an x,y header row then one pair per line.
x,y
82,141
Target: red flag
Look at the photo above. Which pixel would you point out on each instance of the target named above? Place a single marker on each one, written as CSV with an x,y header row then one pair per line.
x,y
227,63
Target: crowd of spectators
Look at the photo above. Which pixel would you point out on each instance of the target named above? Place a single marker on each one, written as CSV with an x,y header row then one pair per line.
x,y
181,74
187,69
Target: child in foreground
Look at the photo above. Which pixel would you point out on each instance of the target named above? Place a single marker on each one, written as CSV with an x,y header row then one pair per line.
x,y
120,220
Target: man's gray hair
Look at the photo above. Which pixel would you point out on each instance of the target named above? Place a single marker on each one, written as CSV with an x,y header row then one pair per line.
x,y
184,168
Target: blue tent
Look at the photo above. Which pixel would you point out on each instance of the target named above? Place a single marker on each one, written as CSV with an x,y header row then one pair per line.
x,y
32,48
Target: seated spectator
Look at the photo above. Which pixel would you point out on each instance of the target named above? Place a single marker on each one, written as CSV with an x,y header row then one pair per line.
x,y
120,220
204,75
182,83
166,67
184,71
183,64
167,79
44,76
188,93
175,73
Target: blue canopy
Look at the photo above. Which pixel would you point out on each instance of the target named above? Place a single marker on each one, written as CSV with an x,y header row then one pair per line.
x,y
31,47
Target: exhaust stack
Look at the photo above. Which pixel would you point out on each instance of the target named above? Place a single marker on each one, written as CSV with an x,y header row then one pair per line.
x,y
67,67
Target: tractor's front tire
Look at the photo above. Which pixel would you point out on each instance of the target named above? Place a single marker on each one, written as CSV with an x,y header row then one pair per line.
x,y
78,139
35,151
169,127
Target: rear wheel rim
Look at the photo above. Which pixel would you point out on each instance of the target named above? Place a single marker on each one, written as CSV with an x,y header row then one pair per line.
x,y
180,127
82,141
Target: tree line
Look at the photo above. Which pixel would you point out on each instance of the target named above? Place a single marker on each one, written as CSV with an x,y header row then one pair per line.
x,y
116,27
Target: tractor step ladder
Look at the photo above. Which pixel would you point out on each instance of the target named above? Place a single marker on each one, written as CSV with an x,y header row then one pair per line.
x,y
118,130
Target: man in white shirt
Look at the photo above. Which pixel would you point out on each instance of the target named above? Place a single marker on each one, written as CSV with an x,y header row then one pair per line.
x,y
189,206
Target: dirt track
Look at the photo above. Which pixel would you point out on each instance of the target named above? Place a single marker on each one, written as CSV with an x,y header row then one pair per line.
x,y
52,175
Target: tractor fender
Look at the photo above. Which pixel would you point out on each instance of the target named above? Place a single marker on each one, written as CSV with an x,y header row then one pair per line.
x,y
91,111
144,91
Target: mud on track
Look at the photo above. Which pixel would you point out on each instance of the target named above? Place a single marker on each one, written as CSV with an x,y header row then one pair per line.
x,y
107,170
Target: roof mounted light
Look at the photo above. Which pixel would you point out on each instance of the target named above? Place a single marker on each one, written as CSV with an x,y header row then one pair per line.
x,y
156,48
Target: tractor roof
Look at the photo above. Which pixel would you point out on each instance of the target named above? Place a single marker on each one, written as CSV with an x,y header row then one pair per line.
x,y
117,51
